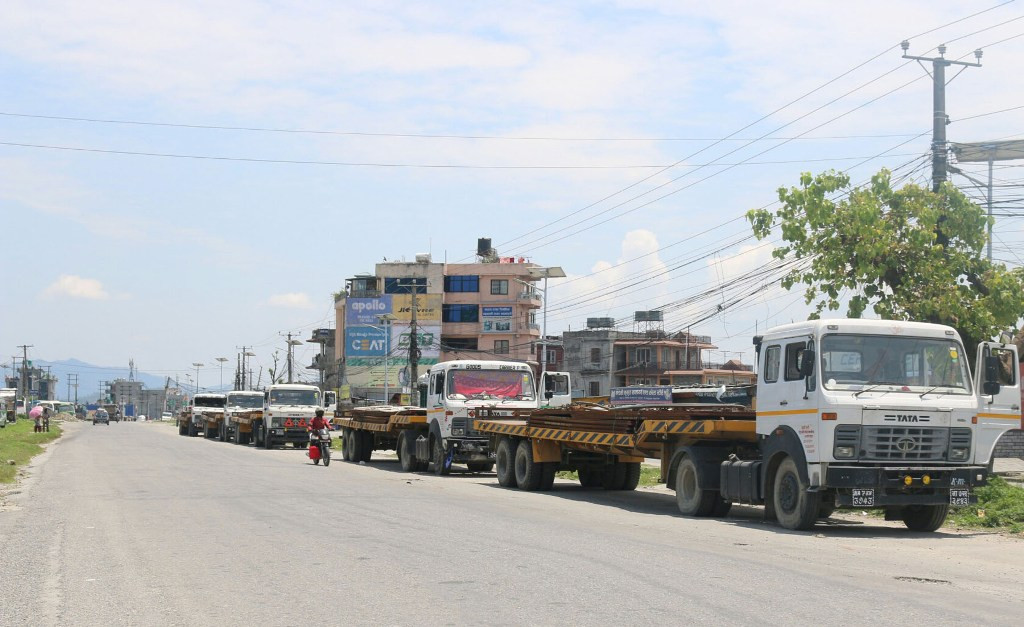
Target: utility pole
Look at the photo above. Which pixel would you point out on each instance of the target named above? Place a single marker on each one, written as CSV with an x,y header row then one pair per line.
x,y
291,350
23,382
940,161
246,380
414,349
75,375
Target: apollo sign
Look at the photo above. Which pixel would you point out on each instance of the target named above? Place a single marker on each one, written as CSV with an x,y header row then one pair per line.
x,y
363,311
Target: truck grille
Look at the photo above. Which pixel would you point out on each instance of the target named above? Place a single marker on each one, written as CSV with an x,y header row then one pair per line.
x,y
464,423
910,443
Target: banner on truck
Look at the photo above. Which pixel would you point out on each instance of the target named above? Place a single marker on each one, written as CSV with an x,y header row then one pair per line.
x,y
642,395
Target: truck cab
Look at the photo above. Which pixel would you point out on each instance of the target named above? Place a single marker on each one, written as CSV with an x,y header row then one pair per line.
x,y
201,405
873,413
456,392
287,411
239,403
554,389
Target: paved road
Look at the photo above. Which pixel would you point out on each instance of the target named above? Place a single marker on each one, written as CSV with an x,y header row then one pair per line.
x,y
133,525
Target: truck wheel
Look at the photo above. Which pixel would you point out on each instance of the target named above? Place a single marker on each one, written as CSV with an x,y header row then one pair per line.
x,y
192,431
795,507
589,478
406,452
355,453
506,462
440,457
257,432
367,448
547,476
268,440
721,509
613,476
528,472
924,517
241,437
182,428
223,433
632,476
691,499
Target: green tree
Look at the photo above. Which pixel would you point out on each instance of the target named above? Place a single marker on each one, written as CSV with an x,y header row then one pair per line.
x,y
909,254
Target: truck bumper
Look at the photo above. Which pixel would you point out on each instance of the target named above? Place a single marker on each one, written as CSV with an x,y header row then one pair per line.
x,y
870,486
289,435
469,449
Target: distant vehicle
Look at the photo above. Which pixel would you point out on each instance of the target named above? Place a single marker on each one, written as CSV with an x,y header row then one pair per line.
x,y
166,416
101,416
141,418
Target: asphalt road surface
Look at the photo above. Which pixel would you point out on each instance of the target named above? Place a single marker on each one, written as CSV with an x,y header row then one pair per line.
x,y
131,524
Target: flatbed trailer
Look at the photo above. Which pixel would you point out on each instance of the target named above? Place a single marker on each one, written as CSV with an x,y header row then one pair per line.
x,y
382,428
213,419
242,424
606,446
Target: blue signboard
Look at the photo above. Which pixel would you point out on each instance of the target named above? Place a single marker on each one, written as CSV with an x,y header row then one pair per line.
x,y
642,395
365,342
496,312
366,310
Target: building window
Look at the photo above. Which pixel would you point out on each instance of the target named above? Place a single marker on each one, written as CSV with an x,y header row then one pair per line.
x,y
462,283
405,285
552,356
499,287
501,347
643,355
595,388
595,356
458,343
460,313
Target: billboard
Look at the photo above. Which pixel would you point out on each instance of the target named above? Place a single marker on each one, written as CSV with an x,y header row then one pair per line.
x,y
365,341
428,340
496,319
368,372
360,311
428,308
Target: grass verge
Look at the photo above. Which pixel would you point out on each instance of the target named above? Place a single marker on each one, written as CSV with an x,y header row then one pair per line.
x,y
19,443
649,476
1000,506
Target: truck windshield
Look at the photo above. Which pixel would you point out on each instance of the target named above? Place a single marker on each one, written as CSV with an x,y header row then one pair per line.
x,y
248,401
904,364
490,384
209,402
294,397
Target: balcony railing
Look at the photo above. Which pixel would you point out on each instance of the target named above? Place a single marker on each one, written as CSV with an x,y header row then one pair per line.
x,y
662,366
531,296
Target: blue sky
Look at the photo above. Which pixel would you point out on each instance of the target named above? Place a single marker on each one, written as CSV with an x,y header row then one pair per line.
x,y
175,260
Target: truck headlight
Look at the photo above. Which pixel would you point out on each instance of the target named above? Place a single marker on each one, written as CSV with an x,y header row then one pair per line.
x,y
959,454
844,452
458,431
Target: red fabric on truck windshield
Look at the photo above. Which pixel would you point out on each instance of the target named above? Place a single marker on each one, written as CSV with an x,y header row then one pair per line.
x,y
503,383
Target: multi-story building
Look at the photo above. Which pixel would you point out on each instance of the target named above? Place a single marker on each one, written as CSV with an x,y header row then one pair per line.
x,y
125,392
482,310
601,357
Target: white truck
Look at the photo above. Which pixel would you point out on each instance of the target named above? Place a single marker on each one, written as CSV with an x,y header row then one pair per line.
x,y
207,409
442,433
287,411
849,414
242,409
8,401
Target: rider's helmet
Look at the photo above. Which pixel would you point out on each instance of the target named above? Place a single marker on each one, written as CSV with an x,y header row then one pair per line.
x,y
319,413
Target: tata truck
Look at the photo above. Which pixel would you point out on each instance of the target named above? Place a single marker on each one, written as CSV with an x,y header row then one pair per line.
x,y
849,414
288,409
442,433
204,416
242,409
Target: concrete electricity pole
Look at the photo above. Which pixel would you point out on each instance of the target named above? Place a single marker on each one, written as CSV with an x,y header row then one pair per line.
x,y
198,366
23,381
221,360
291,350
414,349
939,117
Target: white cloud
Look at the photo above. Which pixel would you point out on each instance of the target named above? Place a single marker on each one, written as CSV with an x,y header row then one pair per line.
x,y
76,287
292,300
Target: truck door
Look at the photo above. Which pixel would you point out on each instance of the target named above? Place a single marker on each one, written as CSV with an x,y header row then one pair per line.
x,y
435,397
998,409
557,384
785,397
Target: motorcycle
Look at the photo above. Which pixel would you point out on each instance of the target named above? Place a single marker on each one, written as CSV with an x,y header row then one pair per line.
x,y
320,446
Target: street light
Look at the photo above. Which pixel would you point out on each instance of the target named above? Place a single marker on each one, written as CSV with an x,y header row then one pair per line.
x,y
198,366
245,373
553,272
386,319
221,360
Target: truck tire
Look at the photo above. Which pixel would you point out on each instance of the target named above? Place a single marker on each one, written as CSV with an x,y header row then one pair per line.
x,y
209,433
355,452
589,478
222,433
795,507
367,446
480,466
529,473
721,509
192,431
547,477
506,462
268,440
613,476
241,437
182,428
257,432
924,517
632,476
439,458
691,499
407,451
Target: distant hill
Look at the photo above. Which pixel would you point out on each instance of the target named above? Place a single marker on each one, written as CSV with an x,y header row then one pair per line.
x,y
90,375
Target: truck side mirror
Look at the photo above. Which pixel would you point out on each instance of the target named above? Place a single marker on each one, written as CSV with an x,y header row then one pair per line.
x,y
548,394
991,382
807,363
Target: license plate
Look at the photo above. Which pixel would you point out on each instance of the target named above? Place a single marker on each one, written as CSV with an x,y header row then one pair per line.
x,y
863,497
958,498
491,454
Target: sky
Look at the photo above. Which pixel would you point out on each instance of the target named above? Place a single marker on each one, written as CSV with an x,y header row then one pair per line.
x,y
182,179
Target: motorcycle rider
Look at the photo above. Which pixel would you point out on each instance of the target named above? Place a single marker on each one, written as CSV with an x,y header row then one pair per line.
x,y
319,422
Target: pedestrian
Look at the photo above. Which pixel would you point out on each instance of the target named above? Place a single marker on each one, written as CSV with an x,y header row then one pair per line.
x,y
46,419
38,422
